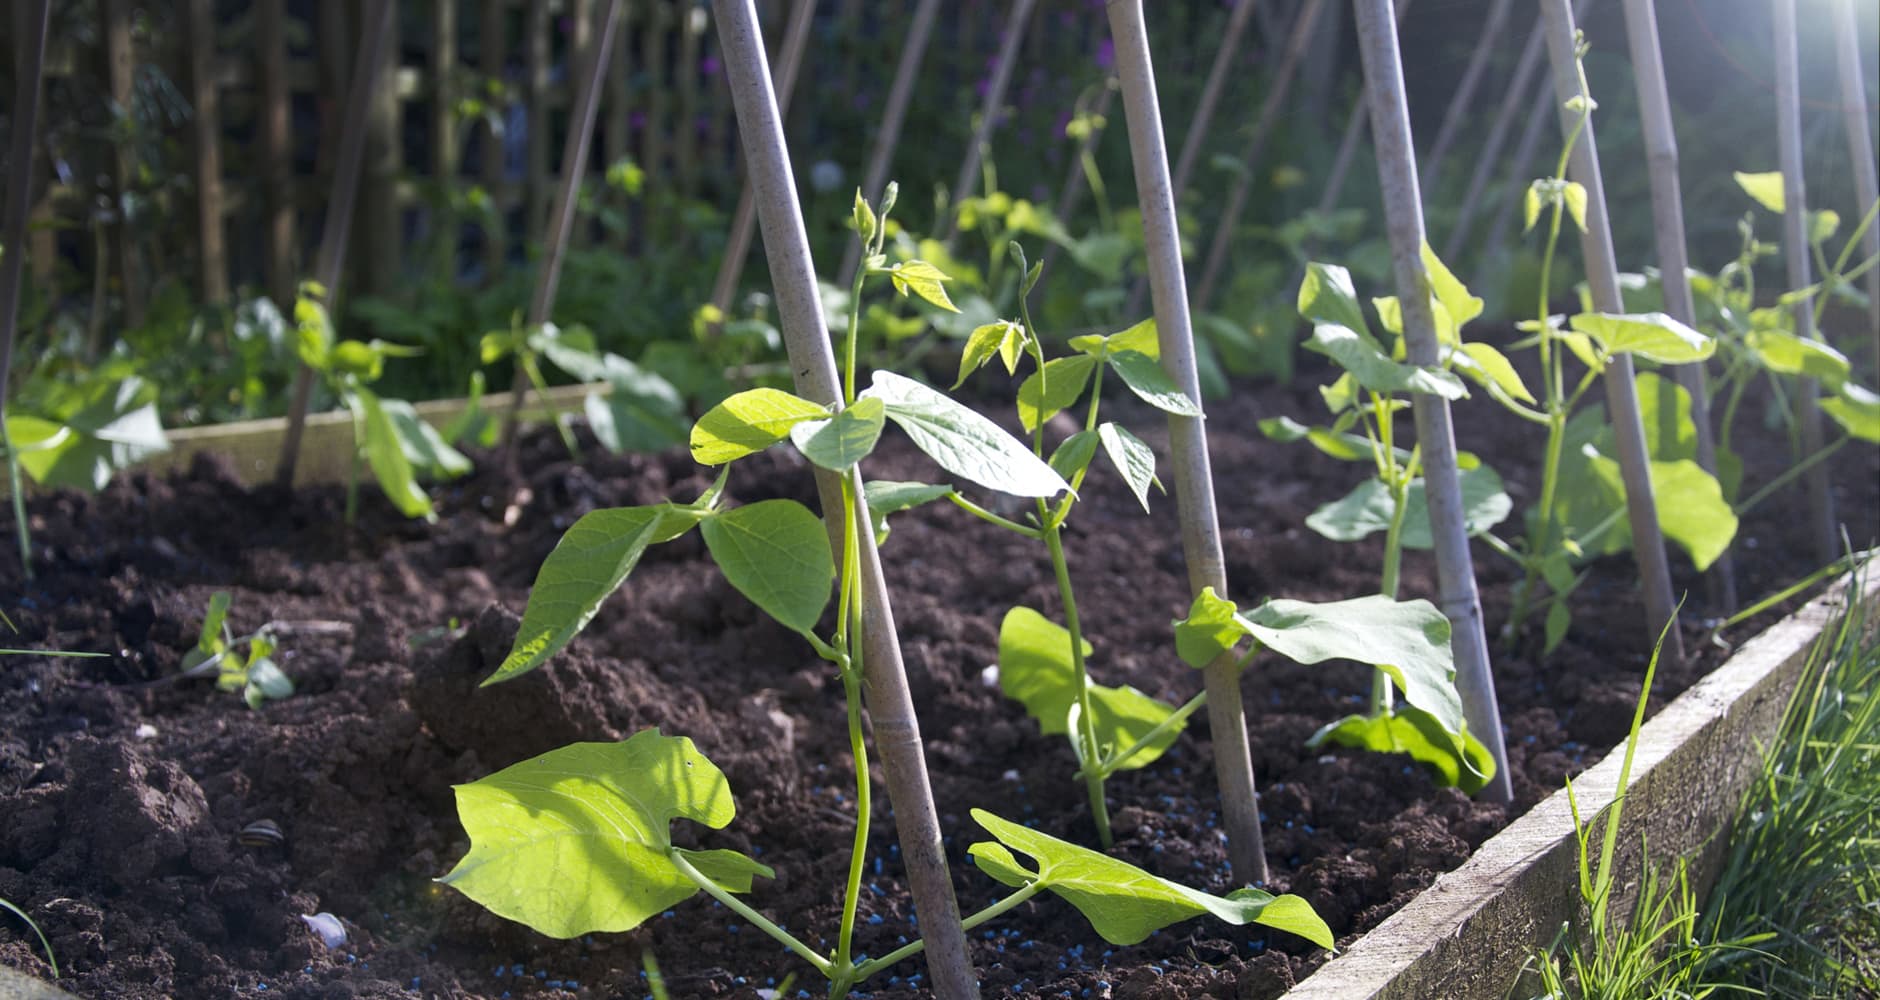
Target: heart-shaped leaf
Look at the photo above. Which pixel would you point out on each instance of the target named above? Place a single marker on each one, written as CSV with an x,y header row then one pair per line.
x,y
748,422
776,553
963,442
1036,670
1134,459
839,443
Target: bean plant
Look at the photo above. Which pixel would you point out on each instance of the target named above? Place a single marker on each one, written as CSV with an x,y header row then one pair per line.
x,y
255,674
599,814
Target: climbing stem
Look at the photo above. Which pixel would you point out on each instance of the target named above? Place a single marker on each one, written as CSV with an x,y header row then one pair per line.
x,y
909,950
1086,735
756,919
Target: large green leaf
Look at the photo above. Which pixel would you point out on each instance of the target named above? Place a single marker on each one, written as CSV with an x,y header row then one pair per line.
x,y
1035,669
963,442
1368,508
1141,338
1487,367
1653,336
108,426
1375,370
1074,453
385,454
1451,295
1784,352
1857,409
590,562
776,553
1417,733
1056,386
1342,445
1123,903
641,411
749,422
1691,509
1134,459
847,439
1145,377
1326,296
579,840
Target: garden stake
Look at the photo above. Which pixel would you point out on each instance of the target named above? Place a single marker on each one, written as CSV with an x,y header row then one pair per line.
x,y
900,92
1188,443
1465,91
1661,147
1250,158
1403,212
1854,118
1602,274
1795,249
1211,95
1512,99
744,220
205,135
376,28
812,362
560,222
1012,35
29,60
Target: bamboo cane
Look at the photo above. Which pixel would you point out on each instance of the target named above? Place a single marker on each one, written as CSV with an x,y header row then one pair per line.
x,y
968,179
29,60
1795,250
1520,85
1403,212
1188,443
1256,144
1465,91
1854,117
376,29
206,131
560,222
900,92
1602,275
744,220
1661,148
806,337
277,154
1211,93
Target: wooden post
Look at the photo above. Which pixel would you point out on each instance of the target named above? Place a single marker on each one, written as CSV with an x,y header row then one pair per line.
x,y
379,241
968,179
1855,118
1403,212
1602,275
1465,90
744,220
806,336
1229,215
1795,251
1514,97
376,28
278,260
29,58
1188,442
1661,149
536,58
206,131
893,114
1224,58
120,69
490,63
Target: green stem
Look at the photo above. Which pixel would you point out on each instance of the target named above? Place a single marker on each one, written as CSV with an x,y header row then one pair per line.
x,y
858,745
855,326
534,372
907,951
1788,476
1086,734
1116,761
1382,695
988,516
756,919
20,525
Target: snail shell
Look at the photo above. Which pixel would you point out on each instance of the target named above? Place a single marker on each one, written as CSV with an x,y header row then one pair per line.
x,y
262,833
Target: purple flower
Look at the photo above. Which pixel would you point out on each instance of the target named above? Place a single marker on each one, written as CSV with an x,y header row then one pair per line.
x,y
1106,55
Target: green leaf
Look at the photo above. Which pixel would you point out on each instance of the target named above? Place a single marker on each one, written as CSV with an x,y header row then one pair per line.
x,y
922,279
1375,370
1326,296
1857,409
424,447
1574,193
1368,508
838,444
590,562
1765,188
1654,336
1784,352
1210,629
209,641
1417,733
1691,508
963,442
1123,903
1531,205
1345,447
385,454
1486,366
1036,670
597,816
1450,292
1073,455
776,553
1004,338
863,218
886,497
1056,386
1559,620
748,422
313,328
1145,377
1134,459
87,436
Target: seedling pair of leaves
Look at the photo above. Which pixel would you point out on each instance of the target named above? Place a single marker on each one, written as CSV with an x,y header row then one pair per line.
x,y
255,674
388,434
641,410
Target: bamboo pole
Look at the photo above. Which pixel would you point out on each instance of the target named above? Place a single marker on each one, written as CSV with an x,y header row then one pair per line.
x,y
893,115
490,64
1465,90
1224,58
1230,213
276,154
1661,149
559,226
206,132
744,220
1520,85
806,336
1855,117
376,30
1602,275
120,70
1188,443
1403,212
968,179
1795,250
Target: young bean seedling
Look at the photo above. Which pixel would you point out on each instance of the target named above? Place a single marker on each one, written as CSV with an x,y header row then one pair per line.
x,y
255,675
599,814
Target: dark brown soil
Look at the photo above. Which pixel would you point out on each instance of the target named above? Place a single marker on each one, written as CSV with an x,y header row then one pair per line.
x,y
121,800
